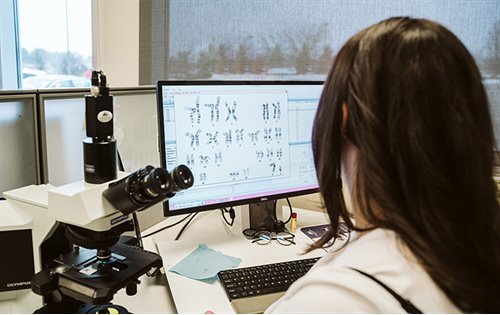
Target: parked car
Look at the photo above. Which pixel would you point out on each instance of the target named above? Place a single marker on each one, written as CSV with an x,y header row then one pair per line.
x,y
55,81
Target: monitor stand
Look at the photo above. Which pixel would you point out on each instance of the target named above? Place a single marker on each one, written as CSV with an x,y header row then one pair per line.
x,y
261,215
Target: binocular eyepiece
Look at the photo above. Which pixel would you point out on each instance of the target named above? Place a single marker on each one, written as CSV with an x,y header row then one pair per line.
x,y
146,187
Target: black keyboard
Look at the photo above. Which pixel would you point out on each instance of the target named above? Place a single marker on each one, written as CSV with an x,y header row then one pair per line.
x,y
253,289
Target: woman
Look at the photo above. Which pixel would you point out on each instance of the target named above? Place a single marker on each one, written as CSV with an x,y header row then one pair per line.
x,y
404,129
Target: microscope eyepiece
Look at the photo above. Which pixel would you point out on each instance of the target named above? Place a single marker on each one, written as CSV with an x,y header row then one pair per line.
x,y
183,178
155,183
146,187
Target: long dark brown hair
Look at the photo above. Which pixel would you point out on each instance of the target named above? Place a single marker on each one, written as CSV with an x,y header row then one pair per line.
x,y
419,117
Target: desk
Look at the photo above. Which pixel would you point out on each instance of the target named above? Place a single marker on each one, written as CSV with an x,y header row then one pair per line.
x,y
172,293
184,295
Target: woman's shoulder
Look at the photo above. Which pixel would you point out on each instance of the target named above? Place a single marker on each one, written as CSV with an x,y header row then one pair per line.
x,y
329,290
333,286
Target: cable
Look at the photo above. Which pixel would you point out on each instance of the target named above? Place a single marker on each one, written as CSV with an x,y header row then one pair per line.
x,y
134,215
185,226
275,210
137,229
120,162
291,210
154,273
232,215
167,227
276,213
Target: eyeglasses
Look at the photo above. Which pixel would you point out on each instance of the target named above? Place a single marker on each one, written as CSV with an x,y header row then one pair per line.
x,y
265,237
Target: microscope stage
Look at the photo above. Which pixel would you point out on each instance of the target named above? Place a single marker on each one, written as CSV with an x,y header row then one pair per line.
x,y
86,278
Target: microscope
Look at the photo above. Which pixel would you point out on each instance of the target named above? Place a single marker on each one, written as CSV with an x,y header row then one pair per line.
x,y
86,259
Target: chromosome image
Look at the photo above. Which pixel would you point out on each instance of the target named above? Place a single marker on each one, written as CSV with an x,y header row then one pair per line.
x,y
229,137
226,129
260,155
265,112
231,112
195,138
194,112
277,134
212,138
203,177
277,111
190,160
218,158
279,153
214,111
254,137
239,136
204,159
269,153
267,135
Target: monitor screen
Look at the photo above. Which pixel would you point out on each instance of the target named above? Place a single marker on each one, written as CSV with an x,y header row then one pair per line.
x,y
244,141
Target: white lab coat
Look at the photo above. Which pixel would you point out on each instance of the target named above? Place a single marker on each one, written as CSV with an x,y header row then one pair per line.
x,y
332,287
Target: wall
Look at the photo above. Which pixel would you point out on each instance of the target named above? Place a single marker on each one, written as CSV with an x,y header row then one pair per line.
x,y
115,32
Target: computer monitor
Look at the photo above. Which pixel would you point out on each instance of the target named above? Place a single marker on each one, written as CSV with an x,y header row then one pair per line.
x,y
244,141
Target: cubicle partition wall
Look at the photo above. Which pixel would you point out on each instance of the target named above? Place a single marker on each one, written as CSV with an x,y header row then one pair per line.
x,y
63,128
136,127
19,153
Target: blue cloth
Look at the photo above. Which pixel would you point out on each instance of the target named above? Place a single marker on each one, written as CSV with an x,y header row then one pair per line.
x,y
204,263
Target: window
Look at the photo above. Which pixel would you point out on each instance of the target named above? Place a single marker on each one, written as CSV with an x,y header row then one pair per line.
x,y
9,63
290,40
45,43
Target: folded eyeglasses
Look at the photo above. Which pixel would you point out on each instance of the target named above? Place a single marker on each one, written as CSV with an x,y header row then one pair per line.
x,y
263,237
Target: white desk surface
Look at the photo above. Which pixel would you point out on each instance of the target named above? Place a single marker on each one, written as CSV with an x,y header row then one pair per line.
x,y
184,295
172,293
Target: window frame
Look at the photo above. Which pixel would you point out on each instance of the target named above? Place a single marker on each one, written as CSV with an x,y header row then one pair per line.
x,y
10,73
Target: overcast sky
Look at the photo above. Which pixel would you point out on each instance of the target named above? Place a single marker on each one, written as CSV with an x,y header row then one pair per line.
x,y
43,24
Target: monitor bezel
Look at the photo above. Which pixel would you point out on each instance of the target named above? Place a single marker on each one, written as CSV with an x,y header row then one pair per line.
x,y
161,139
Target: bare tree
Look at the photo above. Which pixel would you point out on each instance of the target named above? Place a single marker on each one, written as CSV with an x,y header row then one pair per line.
x,y
206,65
305,47
70,63
179,65
223,51
241,60
39,59
277,57
322,64
257,66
